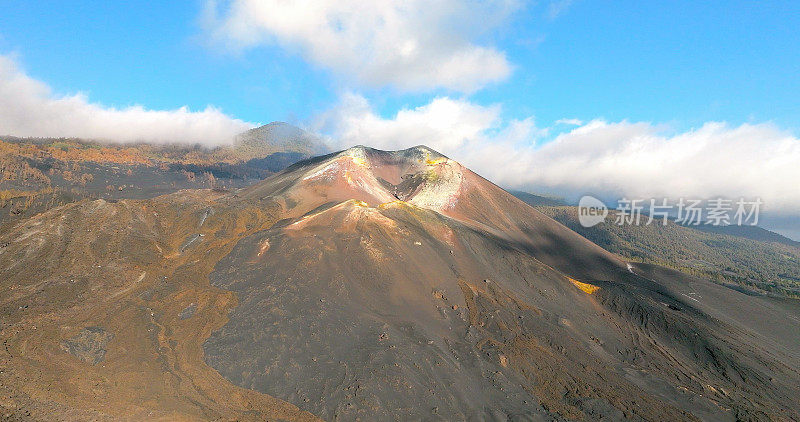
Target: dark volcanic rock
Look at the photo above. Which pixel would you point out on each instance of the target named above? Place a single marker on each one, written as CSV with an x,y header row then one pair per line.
x,y
89,345
402,286
373,285
188,312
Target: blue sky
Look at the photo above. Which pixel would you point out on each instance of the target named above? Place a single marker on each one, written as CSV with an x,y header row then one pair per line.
x,y
154,54
679,62
611,98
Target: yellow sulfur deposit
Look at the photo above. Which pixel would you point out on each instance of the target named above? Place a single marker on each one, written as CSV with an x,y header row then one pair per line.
x,y
588,288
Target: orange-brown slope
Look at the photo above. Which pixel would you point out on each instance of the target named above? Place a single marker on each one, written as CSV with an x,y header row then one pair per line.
x,y
367,284
427,179
402,285
105,306
361,312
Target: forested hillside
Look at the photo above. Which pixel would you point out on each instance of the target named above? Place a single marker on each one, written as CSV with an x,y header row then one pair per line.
x,y
754,266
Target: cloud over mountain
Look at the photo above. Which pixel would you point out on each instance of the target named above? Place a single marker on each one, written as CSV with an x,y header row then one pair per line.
x,y
411,45
30,108
636,159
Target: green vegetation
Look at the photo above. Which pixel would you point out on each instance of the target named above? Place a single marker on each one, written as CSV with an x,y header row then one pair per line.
x,y
745,264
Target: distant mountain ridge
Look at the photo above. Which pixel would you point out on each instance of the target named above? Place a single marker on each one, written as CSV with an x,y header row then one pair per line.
x,y
536,200
747,232
277,137
40,173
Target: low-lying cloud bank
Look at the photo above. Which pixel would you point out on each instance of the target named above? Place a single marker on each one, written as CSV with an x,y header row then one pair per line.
x,y
28,108
607,159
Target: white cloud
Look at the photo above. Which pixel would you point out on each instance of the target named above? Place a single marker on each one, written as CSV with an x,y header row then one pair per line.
x,y
599,157
412,45
443,123
28,108
569,122
637,160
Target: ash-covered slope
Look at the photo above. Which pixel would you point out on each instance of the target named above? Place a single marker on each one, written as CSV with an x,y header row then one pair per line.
x,y
368,285
401,285
426,179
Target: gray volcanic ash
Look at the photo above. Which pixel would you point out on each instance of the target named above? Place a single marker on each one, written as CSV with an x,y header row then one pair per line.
x,y
371,285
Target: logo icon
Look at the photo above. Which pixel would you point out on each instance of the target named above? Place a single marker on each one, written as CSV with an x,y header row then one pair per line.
x,y
591,211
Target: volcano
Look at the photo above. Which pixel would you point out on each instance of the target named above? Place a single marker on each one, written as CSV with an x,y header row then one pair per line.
x,y
371,285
